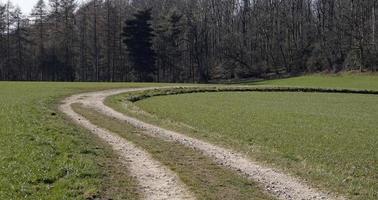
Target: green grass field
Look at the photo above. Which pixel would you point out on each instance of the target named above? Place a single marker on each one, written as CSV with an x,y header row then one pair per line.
x,y
330,139
42,155
205,179
350,81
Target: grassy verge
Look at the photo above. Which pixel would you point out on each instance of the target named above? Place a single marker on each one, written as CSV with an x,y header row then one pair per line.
x,y
329,139
141,95
42,155
115,181
345,80
199,173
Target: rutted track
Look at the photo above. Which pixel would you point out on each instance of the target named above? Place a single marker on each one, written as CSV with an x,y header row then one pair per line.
x,y
274,181
155,180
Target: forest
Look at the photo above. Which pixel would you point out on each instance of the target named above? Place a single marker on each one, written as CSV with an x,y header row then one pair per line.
x,y
185,40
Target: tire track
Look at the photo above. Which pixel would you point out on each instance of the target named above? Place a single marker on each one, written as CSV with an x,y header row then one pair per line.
x,y
279,184
156,181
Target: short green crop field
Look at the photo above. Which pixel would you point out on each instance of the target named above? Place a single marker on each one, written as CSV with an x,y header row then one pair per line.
x,y
330,139
205,179
351,81
42,155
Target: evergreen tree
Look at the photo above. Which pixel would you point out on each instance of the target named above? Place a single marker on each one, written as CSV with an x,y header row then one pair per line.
x,y
138,35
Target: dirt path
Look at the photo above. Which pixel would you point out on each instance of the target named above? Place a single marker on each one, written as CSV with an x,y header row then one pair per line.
x,y
275,182
155,180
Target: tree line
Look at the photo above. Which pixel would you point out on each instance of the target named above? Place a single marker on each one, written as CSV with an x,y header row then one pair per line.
x,y
185,40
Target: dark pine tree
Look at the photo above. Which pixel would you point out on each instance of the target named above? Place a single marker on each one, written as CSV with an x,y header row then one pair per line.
x,y
139,36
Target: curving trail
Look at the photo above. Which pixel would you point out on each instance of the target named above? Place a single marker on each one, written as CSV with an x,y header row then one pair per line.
x,y
277,183
155,180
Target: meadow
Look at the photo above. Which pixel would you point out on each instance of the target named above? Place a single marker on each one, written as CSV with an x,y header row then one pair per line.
x,y
203,177
43,155
368,81
329,139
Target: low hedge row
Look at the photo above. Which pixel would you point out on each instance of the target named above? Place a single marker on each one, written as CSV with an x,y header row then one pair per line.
x,y
138,96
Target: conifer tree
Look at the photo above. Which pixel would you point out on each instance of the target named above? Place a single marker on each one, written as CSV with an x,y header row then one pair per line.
x,y
138,35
